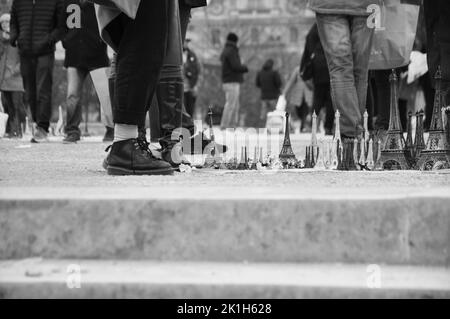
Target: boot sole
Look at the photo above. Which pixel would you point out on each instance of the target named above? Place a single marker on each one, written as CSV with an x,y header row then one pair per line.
x,y
119,171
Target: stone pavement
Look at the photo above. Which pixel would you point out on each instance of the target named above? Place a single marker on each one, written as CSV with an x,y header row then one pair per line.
x,y
58,204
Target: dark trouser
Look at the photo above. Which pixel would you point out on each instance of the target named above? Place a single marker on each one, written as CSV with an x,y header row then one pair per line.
x,y
428,92
322,99
139,60
382,93
13,104
37,74
75,78
168,107
189,102
382,96
347,41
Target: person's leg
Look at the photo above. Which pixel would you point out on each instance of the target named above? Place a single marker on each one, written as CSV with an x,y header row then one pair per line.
x,y
227,112
170,91
329,112
382,98
75,81
335,36
44,83
28,71
101,84
139,60
189,100
236,104
361,37
12,126
263,113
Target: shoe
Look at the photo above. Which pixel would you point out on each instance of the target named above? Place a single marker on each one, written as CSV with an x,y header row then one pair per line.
x,y
39,136
109,135
71,139
173,154
201,139
132,157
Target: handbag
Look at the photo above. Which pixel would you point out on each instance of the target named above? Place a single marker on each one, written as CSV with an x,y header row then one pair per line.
x,y
394,40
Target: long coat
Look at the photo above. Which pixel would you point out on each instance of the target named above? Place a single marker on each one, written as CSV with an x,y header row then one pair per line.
x,y
84,47
10,78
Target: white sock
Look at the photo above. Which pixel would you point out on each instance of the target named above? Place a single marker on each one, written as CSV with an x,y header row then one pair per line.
x,y
124,132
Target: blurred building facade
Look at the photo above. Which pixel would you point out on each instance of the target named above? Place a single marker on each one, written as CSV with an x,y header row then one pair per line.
x,y
267,29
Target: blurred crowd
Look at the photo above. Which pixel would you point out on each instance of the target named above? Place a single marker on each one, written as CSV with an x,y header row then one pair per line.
x,y
349,55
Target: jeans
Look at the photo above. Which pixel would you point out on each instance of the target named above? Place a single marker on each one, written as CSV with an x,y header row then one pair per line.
x,y
37,74
140,57
75,81
347,42
230,116
169,106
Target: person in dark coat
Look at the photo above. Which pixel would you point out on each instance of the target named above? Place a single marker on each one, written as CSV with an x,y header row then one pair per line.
x,y
314,56
36,27
269,82
11,83
232,76
85,52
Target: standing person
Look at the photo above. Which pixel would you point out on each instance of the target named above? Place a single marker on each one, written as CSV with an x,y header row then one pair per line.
x,y
191,71
346,40
269,82
11,84
232,76
36,27
314,58
138,32
85,52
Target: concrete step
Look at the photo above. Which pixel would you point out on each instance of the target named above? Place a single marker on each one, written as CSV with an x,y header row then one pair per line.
x,y
228,224
182,280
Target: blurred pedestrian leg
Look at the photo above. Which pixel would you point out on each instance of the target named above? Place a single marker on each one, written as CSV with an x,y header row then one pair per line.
x,y
230,117
347,41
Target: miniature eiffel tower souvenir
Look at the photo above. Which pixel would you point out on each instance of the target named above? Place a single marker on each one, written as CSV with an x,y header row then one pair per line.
x,y
366,127
370,161
409,149
362,157
393,156
334,162
213,159
355,154
287,154
419,141
320,165
447,113
437,149
328,160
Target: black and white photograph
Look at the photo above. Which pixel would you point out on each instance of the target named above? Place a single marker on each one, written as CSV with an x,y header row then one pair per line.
x,y
224,154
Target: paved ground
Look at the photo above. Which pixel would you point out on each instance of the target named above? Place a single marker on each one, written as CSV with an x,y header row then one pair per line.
x,y
56,165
